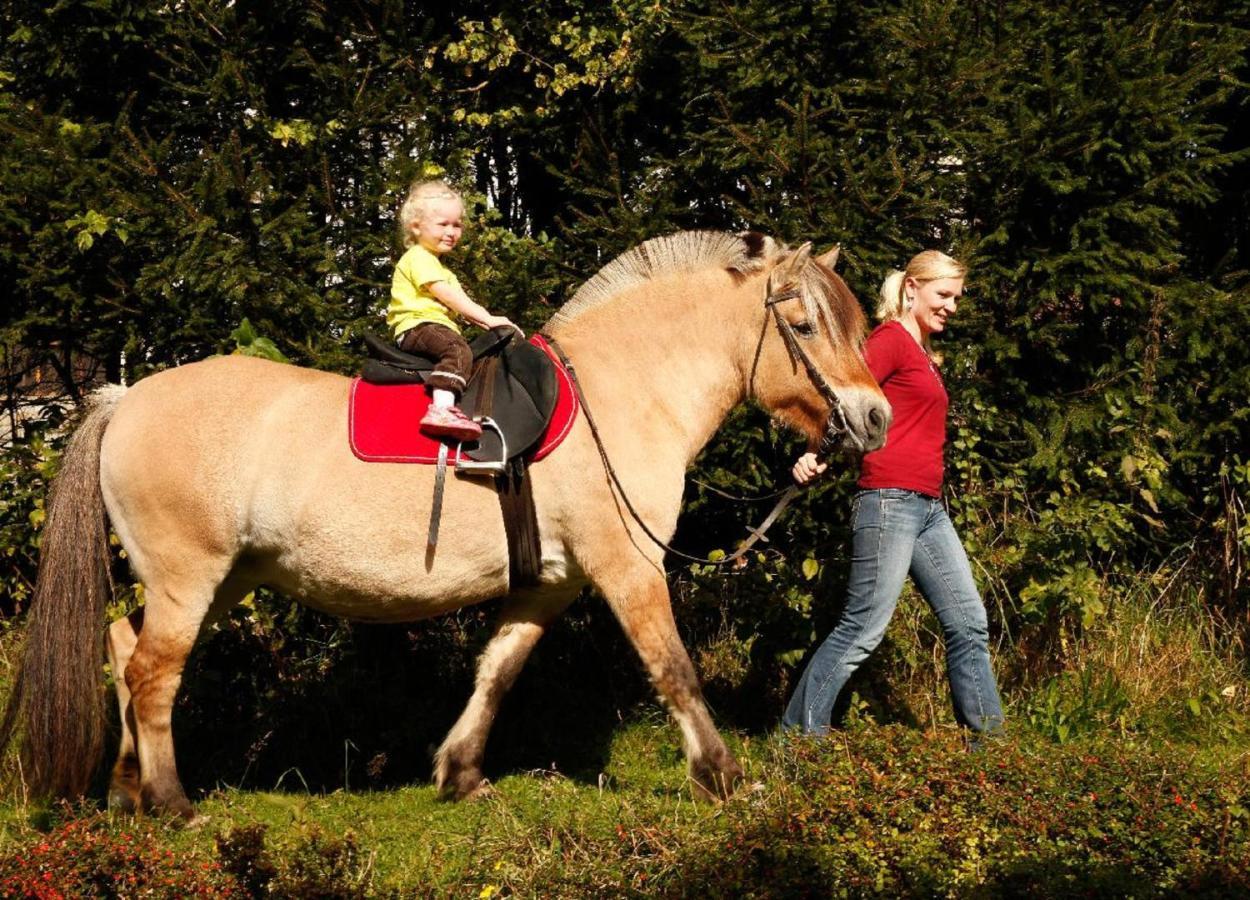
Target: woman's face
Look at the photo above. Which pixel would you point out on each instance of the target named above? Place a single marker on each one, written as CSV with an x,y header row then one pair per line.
x,y
933,301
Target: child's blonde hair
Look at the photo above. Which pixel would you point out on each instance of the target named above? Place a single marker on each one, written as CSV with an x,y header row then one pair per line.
x,y
928,265
420,200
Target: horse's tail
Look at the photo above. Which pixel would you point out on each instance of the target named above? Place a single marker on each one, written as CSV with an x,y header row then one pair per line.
x,y
57,705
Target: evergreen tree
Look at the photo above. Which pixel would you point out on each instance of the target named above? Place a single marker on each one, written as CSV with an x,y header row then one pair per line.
x,y
174,169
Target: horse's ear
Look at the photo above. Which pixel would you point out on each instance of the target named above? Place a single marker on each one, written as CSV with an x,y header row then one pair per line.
x,y
830,257
787,271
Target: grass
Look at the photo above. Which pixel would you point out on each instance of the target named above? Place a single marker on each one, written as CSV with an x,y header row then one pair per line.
x,y
873,809
1125,772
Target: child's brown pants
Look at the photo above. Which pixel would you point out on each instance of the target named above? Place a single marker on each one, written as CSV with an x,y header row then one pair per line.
x,y
455,360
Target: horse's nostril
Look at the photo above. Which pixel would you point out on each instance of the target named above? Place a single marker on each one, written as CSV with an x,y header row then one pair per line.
x,y
876,418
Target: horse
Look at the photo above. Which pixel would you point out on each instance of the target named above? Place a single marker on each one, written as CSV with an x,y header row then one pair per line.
x,y
233,472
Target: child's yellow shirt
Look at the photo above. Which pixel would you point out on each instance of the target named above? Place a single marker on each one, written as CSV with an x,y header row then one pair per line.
x,y
411,301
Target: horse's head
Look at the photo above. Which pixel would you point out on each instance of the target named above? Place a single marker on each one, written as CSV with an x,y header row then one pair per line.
x,y
806,367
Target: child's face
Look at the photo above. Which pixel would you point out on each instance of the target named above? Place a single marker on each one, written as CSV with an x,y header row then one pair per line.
x,y
439,230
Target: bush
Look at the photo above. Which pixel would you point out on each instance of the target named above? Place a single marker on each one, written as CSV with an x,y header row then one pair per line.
x,y
95,856
896,811
317,867
88,858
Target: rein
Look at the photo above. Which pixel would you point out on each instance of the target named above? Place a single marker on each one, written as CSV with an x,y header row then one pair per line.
x,y
832,432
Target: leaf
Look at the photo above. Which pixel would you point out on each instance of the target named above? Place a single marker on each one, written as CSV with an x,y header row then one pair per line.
x,y
245,334
811,568
791,657
265,349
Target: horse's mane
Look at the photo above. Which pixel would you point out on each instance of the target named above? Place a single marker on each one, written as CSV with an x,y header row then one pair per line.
x,y
685,251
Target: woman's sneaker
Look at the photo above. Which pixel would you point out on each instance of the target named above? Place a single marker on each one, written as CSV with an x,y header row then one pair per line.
x,y
449,422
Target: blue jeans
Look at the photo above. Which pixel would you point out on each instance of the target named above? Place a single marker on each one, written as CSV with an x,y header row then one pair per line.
x,y
897,531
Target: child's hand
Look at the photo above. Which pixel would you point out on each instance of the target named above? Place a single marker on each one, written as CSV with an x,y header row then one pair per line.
x,y
499,321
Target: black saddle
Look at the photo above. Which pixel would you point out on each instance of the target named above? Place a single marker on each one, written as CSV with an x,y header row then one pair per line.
x,y
513,382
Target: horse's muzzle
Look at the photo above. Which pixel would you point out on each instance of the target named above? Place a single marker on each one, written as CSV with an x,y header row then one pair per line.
x,y
858,422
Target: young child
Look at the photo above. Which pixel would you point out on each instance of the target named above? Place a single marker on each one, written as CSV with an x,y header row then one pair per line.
x,y
425,298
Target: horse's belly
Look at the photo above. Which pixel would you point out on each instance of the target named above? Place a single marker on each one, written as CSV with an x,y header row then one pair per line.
x,y
406,583
395,590
354,543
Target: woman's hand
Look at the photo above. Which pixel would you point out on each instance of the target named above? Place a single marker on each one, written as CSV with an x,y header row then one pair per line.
x,y
807,469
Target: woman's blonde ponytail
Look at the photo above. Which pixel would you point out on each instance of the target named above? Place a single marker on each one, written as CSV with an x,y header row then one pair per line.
x,y
892,303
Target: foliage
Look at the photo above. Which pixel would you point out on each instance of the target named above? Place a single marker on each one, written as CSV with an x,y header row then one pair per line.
x,y
249,343
896,812
236,175
26,471
872,810
319,866
85,857
92,856
1096,706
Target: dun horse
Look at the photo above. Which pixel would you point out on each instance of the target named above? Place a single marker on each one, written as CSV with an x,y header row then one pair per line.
x,y
235,472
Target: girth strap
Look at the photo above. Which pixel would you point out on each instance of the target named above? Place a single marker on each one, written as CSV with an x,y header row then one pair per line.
x,y
484,374
516,499
520,523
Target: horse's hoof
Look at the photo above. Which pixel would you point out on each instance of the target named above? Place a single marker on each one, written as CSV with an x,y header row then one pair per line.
x,y
716,783
484,791
122,801
460,784
176,807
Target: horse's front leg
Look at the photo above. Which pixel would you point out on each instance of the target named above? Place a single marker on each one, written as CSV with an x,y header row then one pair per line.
x,y
640,601
522,621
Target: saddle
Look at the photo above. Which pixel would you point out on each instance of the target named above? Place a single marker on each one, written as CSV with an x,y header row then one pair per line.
x,y
525,400
513,383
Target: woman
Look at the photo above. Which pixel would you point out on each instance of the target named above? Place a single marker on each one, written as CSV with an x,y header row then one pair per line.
x,y
899,522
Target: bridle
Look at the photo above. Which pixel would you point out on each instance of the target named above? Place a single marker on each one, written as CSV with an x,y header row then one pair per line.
x,y
836,426
834,429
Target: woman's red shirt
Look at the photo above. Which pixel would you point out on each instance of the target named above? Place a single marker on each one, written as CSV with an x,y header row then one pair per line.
x,y
912,455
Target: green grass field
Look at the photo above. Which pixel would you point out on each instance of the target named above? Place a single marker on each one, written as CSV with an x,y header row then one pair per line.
x,y
888,810
1125,771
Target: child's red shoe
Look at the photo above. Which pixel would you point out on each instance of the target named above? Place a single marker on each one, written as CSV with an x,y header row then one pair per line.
x,y
449,422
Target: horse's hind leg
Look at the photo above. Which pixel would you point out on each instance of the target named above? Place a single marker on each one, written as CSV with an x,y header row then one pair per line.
x,y
124,786
523,620
123,638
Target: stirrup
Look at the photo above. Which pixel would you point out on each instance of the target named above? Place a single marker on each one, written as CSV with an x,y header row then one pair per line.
x,y
499,466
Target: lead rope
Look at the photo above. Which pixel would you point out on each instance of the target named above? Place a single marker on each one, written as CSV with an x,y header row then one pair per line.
x,y
757,534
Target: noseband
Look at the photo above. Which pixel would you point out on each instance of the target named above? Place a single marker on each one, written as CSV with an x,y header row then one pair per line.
x,y
836,426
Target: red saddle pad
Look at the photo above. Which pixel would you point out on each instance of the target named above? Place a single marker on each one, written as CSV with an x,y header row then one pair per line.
x,y
382,419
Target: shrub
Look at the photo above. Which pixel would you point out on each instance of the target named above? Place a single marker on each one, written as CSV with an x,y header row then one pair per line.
x,y
87,858
316,867
896,811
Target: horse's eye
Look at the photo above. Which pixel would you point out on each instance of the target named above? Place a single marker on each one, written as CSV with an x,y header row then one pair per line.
x,y
805,328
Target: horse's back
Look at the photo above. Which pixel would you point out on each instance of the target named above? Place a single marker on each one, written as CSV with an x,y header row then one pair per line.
x,y
194,419
248,461
187,447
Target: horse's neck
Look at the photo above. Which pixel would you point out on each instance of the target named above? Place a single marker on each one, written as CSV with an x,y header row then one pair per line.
x,y
663,372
